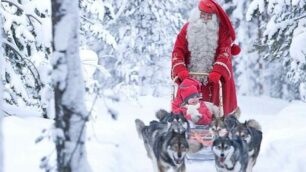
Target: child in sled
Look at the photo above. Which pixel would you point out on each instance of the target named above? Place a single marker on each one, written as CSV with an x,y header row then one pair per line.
x,y
188,102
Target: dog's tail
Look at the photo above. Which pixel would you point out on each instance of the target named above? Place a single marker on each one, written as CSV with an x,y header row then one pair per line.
x,y
139,127
161,114
253,123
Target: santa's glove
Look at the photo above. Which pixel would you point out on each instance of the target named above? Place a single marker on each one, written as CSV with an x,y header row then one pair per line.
x,y
193,112
214,77
183,75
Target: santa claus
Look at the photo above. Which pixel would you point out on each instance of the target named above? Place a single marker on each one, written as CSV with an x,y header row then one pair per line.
x,y
205,44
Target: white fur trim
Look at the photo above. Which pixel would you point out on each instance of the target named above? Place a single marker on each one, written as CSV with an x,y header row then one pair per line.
x,y
213,109
202,42
193,111
225,66
177,64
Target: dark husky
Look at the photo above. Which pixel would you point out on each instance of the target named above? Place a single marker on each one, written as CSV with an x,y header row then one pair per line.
x,y
230,154
166,144
250,131
221,126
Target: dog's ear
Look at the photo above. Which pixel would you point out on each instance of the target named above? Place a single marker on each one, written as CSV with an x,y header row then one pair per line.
x,y
227,134
171,117
222,118
184,121
180,116
214,117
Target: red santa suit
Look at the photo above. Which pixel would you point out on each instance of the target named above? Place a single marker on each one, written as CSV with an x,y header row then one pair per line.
x,y
208,47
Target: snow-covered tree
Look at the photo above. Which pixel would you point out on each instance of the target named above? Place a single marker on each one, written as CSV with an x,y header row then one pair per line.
x,y
96,36
249,65
145,34
70,110
283,39
133,41
27,45
1,100
271,63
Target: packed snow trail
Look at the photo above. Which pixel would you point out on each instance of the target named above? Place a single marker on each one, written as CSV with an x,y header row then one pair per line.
x,y
114,146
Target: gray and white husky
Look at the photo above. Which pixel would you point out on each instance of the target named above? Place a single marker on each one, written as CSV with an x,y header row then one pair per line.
x,y
231,155
166,145
250,131
222,126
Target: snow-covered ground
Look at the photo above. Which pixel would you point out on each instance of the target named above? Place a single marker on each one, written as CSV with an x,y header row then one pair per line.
x,y
113,146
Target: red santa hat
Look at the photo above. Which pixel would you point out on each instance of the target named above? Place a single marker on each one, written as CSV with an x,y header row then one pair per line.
x,y
210,6
189,88
189,92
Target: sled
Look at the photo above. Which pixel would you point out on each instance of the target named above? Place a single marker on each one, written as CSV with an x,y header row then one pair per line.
x,y
201,133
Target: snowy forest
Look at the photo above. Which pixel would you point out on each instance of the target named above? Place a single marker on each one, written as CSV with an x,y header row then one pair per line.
x,y
88,58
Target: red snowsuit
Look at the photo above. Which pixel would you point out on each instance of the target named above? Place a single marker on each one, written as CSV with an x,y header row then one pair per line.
x,y
222,65
190,88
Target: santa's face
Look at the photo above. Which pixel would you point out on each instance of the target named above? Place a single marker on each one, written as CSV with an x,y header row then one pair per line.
x,y
205,17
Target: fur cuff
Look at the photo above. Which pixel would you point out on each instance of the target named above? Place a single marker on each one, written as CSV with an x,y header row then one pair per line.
x,y
177,68
223,66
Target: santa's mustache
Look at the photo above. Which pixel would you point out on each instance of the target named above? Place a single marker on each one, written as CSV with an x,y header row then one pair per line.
x,y
200,25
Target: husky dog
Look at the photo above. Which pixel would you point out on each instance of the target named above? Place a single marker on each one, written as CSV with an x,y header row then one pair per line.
x,y
221,126
166,117
250,131
231,155
166,145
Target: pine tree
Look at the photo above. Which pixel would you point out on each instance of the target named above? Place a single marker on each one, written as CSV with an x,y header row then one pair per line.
x,y
146,34
26,52
71,114
283,41
249,64
96,36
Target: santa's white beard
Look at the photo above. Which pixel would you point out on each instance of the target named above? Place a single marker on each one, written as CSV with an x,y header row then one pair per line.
x,y
202,42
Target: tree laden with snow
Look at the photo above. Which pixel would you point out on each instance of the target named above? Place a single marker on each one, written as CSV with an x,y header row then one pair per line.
x,y
95,19
284,40
145,33
27,46
133,40
95,36
269,31
249,65
71,113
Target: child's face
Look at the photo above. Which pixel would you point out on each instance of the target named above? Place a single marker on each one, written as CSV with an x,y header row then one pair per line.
x,y
193,101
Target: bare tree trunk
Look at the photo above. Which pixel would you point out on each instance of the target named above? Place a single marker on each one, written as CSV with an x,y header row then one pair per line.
x,y
71,114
